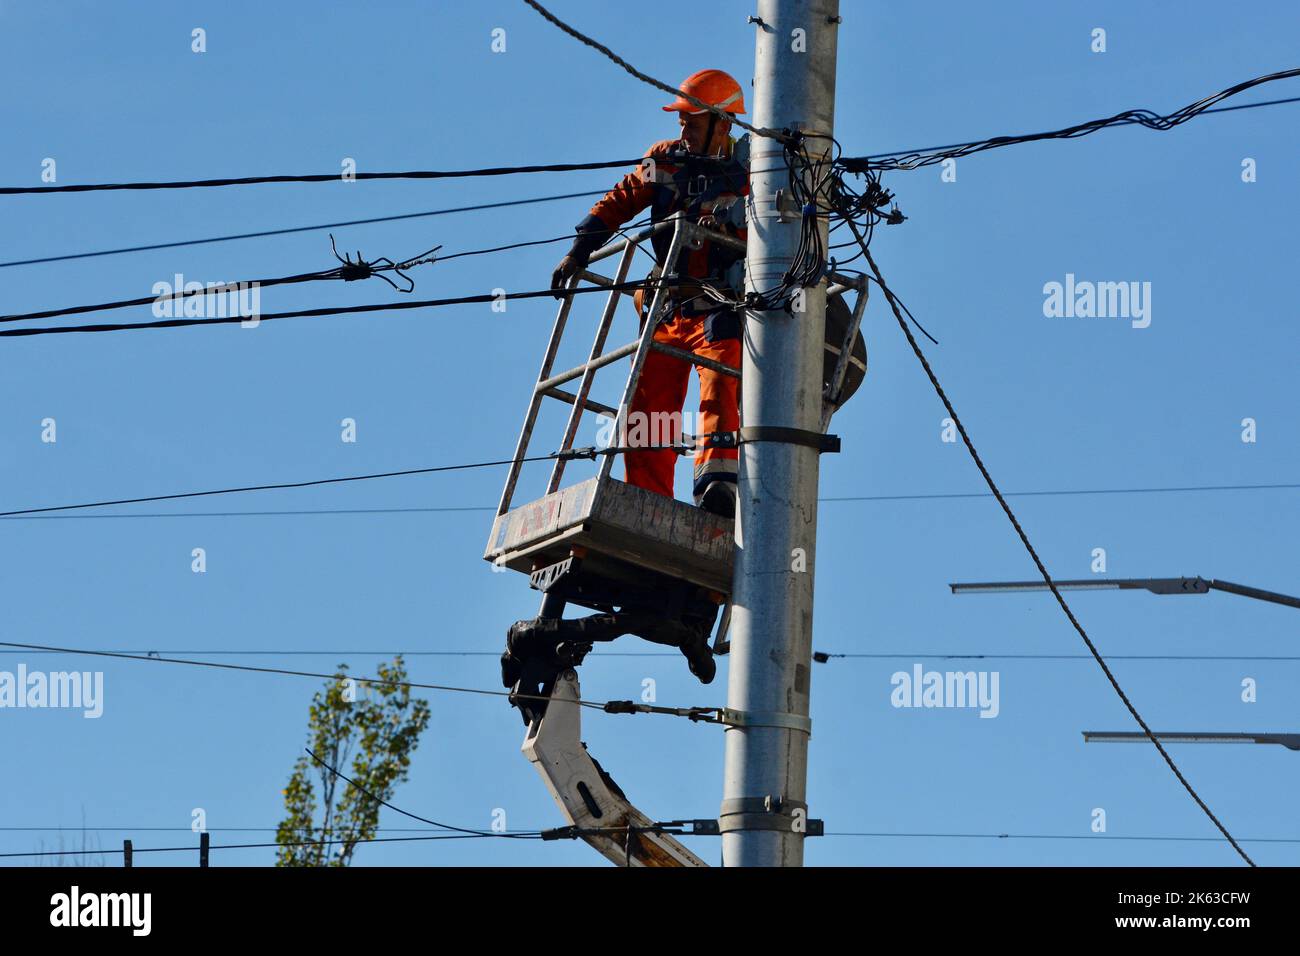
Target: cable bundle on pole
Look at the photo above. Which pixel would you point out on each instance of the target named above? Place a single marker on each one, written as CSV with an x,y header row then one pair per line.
x,y
1140,117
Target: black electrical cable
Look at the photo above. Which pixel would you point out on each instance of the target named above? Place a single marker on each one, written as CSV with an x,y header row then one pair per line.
x,y
808,263
932,149
319,178
181,296
244,846
271,670
295,229
348,271
570,455
1042,568
87,829
1142,117
568,236
340,653
1102,837
779,135
951,496
444,826
331,274
317,313
287,484
694,714
895,160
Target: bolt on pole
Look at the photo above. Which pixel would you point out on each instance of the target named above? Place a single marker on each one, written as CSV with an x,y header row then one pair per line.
x,y
764,808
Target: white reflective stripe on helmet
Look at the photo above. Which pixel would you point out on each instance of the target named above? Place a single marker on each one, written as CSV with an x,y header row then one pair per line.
x,y
720,106
728,101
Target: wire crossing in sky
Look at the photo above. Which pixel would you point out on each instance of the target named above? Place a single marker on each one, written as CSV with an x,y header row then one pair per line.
x,y
347,271
255,319
1141,117
1024,539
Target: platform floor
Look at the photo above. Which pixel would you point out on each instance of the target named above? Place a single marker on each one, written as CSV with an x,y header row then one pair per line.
x,y
620,521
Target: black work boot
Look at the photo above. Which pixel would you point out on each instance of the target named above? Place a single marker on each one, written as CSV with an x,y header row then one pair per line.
x,y
699,657
719,498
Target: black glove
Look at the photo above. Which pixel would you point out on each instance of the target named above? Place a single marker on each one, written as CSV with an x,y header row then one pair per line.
x,y
592,234
569,267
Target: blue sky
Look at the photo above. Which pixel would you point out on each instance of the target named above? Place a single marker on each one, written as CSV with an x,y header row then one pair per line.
x,y
115,94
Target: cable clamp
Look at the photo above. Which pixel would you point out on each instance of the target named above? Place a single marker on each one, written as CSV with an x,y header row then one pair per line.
x,y
569,454
708,715
561,833
766,718
775,433
768,813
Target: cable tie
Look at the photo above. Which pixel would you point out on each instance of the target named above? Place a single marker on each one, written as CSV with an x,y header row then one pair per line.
x,y
710,715
351,272
561,833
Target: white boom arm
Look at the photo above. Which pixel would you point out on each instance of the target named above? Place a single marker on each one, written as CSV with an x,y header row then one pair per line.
x,y
588,796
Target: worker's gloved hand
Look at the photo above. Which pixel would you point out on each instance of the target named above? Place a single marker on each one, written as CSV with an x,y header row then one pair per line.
x,y
591,235
569,267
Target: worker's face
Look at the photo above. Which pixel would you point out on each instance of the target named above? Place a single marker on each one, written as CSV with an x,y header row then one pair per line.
x,y
695,127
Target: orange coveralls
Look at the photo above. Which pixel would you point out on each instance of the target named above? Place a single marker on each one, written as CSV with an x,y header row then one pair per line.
x,y
699,325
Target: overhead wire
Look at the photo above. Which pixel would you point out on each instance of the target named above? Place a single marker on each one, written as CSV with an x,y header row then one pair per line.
x,y
444,826
320,227
1042,568
941,152
323,312
588,452
1206,112
779,135
347,271
239,846
896,159
26,516
1142,117
811,252
695,714
830,655
118,655
1099,837
879,834
318,178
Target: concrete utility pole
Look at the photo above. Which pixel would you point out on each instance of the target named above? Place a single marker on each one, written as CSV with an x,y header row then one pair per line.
x,y
764,793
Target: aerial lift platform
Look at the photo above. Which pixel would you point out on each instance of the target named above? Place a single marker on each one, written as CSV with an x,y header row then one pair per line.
x,y
647,564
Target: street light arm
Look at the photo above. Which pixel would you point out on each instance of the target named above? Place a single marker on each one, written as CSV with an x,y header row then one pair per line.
x,y
1244,591
1154,585
1196,585
1289,741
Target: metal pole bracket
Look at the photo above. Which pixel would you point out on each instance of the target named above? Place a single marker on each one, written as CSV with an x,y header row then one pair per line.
x,y
768,813
775,433
766,718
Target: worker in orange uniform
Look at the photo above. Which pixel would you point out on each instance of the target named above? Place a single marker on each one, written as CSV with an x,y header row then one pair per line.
x,y
700,174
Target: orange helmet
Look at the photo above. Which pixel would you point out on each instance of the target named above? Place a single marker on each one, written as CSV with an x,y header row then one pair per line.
x,y
714,87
